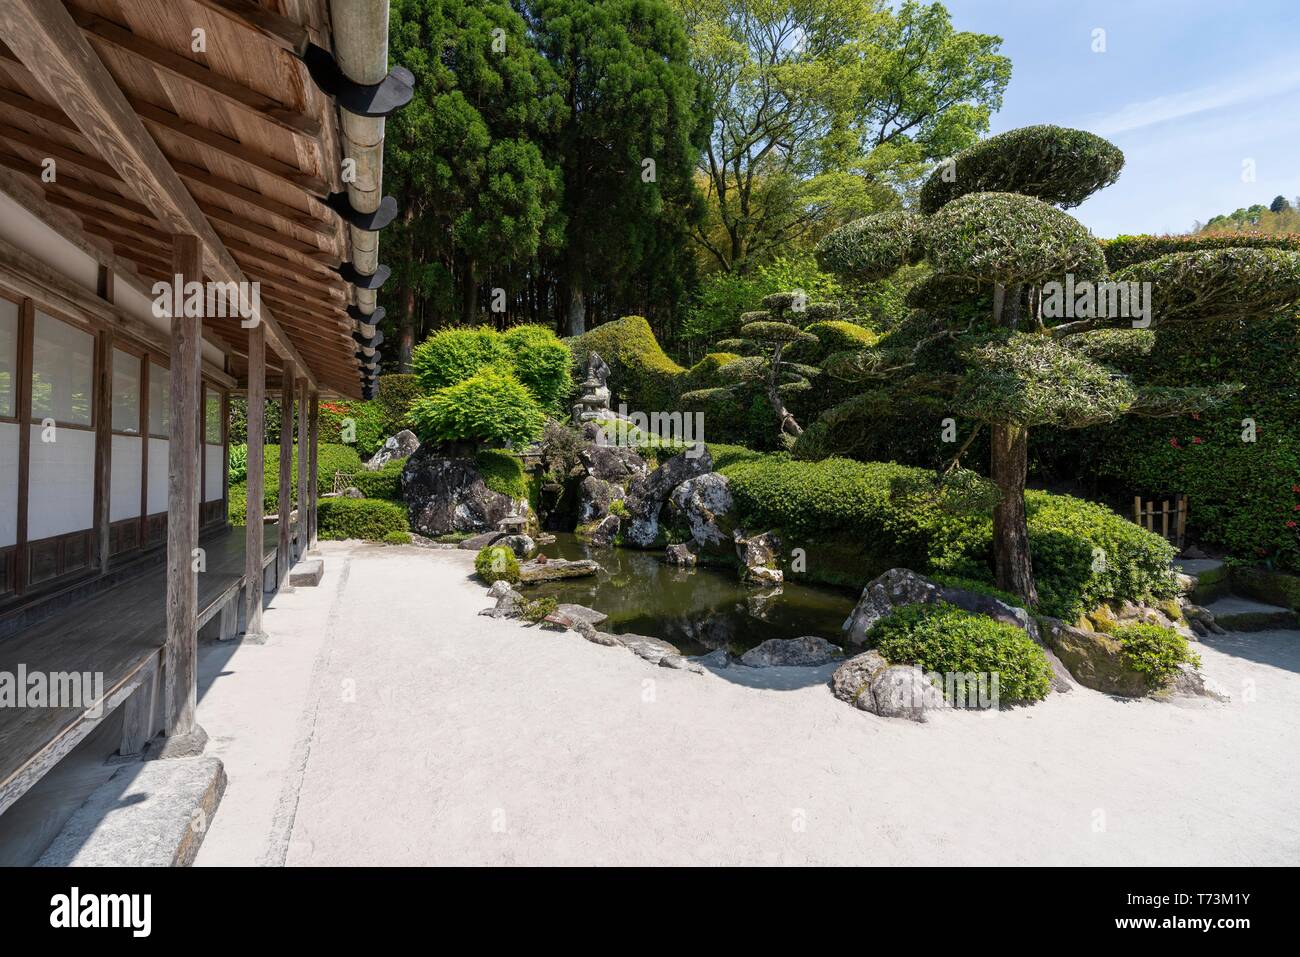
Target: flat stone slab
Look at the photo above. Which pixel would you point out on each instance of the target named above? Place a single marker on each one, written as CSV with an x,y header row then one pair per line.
x,y
582,613
556,568
476,542
307,572
1204,570
152,814
1243,614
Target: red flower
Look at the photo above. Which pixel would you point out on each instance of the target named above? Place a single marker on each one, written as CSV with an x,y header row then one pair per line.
x,y
1196,440
1296,489
1291,524
1174,443
1296,508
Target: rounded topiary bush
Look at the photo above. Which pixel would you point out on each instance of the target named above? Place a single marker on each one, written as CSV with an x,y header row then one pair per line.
x,y
497,563
942,638
454,354
873,248
1052,163
490,406
541,362
1154,652
1008,238
365,518
1218,284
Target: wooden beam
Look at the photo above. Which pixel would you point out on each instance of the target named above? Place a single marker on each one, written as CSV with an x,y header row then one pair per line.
x,y
105,31
313,496
54,51
285,557
180,654
253,522
286,33
304,459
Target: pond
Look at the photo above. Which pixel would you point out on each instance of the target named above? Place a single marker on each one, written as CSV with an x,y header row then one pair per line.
x,y
696,609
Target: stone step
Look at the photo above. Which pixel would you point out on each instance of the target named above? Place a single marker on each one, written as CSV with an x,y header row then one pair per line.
x,y
308,572
150,814
1244,614
1206,579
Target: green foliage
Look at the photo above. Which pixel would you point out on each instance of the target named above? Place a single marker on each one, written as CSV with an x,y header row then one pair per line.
x,y
238,462
1010,239
875,247
536,609
330,458
365,518
397,538
978,585
490,406
454,354
497,563
639,370
541,362
1218,284
1155,652
385,483
1050,163
855,503
1126,250
945,639
502,472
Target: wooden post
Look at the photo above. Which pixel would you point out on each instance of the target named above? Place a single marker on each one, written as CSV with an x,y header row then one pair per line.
x,y
314,497
253,521
284,557
180,672
304,459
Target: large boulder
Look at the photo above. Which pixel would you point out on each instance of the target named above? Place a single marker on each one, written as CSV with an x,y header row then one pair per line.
x,y
553,569
870,683
646,494
447,495
901,586
786,652
600,533
1094,658
595,497
612,463
704,505
758,557
399,446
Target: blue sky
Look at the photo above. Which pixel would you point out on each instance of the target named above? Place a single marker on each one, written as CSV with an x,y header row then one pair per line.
x,y
1188,89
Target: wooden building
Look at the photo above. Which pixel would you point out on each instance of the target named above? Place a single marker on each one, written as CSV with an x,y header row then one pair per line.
x,y
232,143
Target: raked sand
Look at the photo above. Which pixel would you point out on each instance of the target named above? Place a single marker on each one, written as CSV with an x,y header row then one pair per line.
x,y
386,722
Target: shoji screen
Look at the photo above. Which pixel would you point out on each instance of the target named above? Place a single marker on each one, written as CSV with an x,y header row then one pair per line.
x,y
61,484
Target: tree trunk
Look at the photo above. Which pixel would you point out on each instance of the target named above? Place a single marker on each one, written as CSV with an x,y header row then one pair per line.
x,y
575,320
406,325
469,292
786,424
1010,532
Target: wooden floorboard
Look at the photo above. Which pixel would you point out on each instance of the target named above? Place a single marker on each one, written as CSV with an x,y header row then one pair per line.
x,y
114,633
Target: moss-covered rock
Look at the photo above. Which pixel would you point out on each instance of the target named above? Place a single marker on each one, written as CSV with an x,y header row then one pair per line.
x,y
1094,658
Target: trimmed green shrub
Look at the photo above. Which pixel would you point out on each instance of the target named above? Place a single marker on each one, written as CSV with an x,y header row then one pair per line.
x,y
490,406
873,248
397,538
385,483
1218,284
497,563
454,354
853,524
1051,163
330,458
639,370
503,473
538,608
945,639
541,362
365,518
1010,238
1126,250
1155,652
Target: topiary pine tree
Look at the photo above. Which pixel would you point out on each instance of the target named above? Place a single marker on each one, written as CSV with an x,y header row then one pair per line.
x,y
764,337
1019,326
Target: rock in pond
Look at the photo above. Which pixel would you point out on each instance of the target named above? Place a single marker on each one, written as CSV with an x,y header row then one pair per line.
x,y
447,495
400,446
680,555
758,557
612,463
581,613
785,652
600,533
705,506
554,569
646,494
521,545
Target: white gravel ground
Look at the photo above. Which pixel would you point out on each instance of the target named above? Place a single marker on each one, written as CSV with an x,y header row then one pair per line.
x,y
387,723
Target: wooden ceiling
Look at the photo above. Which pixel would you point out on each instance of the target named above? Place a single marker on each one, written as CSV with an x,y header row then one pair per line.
x,y
250,137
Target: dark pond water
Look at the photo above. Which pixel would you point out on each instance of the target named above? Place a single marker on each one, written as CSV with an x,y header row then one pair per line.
x,y
696,609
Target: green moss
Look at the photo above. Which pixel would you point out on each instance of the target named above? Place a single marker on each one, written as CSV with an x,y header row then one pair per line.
x,y
497,563
503,473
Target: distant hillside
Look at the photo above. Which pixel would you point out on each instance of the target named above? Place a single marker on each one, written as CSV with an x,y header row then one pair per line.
x,y
1280,216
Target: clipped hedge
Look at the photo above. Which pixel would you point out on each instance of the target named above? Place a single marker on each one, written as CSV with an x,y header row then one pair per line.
x,y
853,525
366,518
1126,250
330,458
385,483
497,563
873,248
945,639
1154,652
